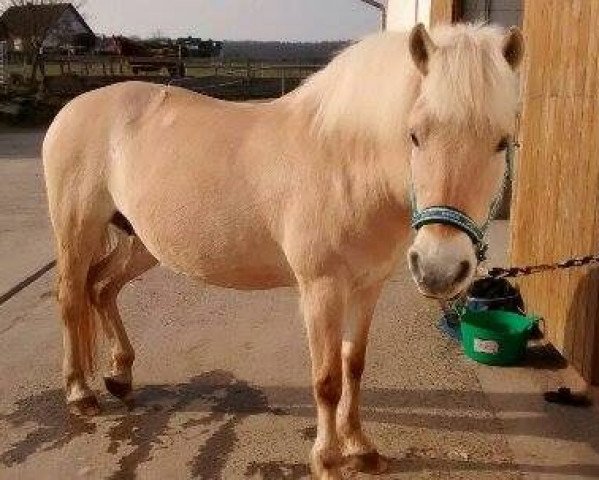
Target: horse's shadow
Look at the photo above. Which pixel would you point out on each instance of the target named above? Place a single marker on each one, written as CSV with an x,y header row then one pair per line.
x,y
225,401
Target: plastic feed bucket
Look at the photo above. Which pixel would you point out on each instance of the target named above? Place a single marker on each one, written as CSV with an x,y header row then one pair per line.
x,y
495,337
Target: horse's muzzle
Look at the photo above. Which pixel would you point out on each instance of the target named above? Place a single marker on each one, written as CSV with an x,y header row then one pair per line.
x,y
442,267
438,282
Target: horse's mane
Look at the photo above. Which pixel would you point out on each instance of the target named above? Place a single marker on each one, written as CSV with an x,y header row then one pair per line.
x,y
369,89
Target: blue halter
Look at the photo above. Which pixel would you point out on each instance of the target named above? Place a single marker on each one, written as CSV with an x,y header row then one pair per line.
x,y
453,217
448,215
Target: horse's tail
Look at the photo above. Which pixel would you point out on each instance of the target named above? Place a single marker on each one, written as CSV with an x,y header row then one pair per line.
x,y
80,209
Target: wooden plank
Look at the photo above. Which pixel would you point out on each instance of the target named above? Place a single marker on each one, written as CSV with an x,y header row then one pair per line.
x,y
555,212
577,343
591,359
558,182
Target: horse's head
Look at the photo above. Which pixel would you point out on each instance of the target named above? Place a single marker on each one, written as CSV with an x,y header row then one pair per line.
x,y
460,127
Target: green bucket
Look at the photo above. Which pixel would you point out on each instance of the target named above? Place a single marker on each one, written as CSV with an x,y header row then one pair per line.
x,y
495,337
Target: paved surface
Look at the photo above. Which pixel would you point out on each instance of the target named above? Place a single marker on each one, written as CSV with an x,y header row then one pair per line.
x,y
223,386
24,224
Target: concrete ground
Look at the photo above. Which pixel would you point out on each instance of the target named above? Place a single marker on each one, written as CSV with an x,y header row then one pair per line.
x,y
222,379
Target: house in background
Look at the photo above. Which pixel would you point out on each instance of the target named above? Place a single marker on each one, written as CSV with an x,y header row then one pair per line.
x,y
57,27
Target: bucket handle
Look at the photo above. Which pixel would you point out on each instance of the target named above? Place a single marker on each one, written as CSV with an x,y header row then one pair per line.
x,y
534,324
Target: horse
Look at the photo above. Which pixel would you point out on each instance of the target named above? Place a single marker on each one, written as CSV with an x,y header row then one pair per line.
x,y
310,190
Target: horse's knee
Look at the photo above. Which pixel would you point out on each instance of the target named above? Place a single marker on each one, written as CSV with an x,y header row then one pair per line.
x,y
328,388
355,365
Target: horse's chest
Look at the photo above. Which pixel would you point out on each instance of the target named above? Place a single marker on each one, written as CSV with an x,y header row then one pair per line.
x,y
371,260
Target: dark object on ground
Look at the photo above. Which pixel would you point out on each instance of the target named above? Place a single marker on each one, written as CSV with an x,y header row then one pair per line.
x,y
564,396
495,294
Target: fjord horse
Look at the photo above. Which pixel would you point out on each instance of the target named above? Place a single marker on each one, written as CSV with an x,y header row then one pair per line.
x,y
310,190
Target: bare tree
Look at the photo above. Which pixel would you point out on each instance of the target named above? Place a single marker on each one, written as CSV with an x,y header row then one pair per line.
x,y
34,28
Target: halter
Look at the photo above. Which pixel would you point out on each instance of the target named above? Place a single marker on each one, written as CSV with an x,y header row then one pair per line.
x,y
448,215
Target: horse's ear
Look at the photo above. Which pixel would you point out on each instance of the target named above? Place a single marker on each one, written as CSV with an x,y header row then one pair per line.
x,y
421,47
513,47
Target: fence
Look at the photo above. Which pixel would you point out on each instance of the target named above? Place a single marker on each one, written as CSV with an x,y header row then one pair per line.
x,y
235,80
3,61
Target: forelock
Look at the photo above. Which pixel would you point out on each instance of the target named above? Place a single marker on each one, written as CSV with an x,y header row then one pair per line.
x,y
469,80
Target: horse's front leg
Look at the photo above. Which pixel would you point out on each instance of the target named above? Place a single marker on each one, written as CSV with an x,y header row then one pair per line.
x,y
355,445
324,304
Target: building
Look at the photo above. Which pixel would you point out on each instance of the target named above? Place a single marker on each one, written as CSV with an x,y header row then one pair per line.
x,y
51,27
403,14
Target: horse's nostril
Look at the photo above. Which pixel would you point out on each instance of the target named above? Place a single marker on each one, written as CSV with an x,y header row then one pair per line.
x,y
414,259
463,271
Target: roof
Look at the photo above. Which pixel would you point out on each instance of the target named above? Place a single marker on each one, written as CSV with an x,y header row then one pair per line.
x,y
29,20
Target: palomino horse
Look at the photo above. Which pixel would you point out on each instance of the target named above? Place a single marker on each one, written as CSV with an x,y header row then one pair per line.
x,y
312,190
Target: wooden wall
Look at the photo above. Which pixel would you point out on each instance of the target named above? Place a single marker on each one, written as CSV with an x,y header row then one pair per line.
x,y
555,211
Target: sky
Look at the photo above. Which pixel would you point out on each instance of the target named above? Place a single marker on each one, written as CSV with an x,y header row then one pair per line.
x,y
291,20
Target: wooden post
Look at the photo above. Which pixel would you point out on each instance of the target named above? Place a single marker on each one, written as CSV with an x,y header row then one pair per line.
x,y
444,11
555,212
42,66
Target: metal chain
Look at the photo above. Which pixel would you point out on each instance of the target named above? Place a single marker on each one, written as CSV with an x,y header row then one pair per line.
x,y
514,272
532,269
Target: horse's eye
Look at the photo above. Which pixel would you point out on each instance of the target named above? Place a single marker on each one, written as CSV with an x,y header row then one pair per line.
x,y
414,139
502,145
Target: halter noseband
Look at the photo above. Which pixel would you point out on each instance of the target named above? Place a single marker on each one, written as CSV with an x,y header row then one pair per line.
x,y
453,217
448,215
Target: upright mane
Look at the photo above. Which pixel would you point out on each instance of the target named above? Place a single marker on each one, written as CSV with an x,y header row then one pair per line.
x,y
369,89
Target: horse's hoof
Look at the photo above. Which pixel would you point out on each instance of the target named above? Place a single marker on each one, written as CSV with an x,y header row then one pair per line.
x,y
85,407
121,390
372,463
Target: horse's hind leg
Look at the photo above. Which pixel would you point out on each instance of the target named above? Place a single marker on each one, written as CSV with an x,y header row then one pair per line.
x,y
354,443
126,262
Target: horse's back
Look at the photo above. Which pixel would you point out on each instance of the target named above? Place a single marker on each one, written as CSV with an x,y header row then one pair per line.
x,y
180,166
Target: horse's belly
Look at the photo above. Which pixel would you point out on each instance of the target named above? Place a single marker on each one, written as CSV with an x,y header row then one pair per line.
x,y
245,260
252,277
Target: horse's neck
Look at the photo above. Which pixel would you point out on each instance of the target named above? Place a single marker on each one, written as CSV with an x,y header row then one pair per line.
x,y
381,172
384,173
377,171
374,158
